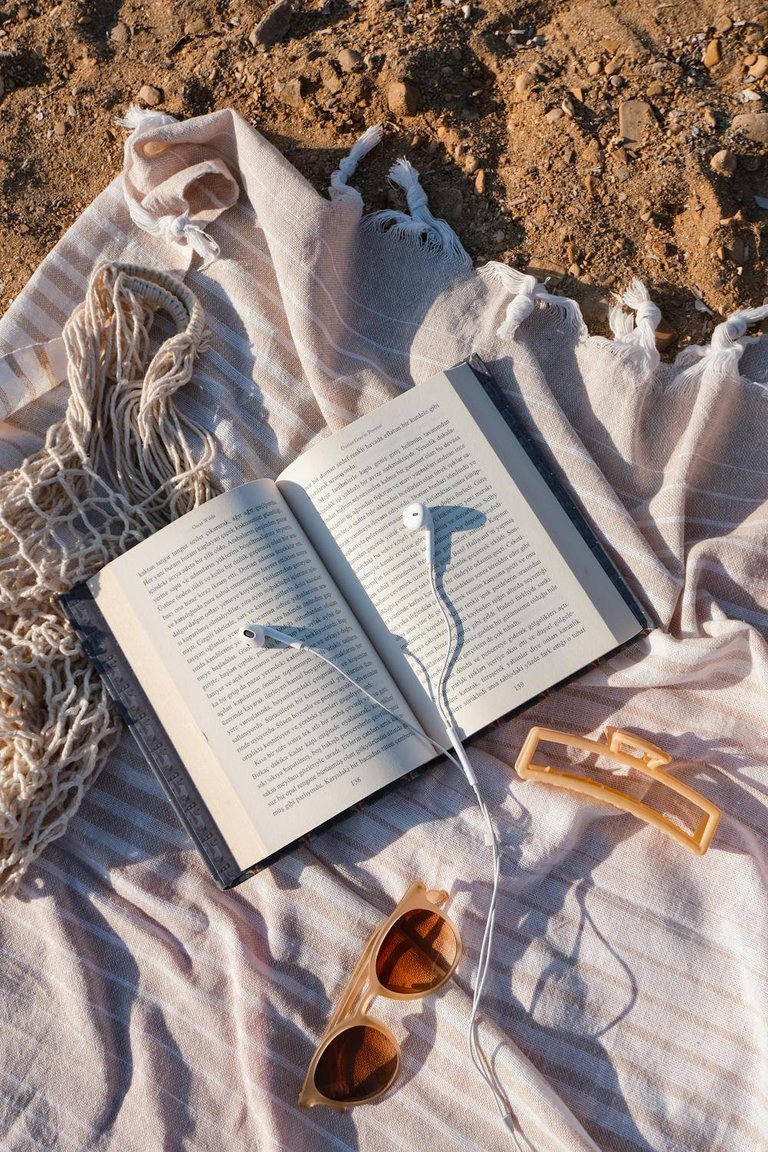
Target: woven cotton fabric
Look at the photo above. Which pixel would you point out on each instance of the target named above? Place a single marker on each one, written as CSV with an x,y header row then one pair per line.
x,y
625,1008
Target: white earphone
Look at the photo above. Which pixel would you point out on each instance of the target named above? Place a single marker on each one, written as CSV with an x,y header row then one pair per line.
x,y
418,518
256,635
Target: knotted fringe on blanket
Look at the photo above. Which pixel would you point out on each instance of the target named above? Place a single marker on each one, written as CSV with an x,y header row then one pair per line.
x,y
122,463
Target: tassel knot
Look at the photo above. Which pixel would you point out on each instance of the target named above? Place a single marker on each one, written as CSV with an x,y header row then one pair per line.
x,y
339,188
526,291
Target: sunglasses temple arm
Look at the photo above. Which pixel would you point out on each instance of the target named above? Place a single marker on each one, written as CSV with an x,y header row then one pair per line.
x,y
354,984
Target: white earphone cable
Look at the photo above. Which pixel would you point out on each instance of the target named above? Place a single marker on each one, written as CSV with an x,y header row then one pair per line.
x,y
484,957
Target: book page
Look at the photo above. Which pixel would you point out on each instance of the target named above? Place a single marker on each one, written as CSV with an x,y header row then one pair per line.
x,y
276,741
528,603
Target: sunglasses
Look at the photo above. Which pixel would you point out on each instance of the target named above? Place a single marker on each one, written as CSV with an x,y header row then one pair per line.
x,y
411,954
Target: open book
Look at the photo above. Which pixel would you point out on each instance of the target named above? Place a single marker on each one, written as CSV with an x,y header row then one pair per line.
x,y
257,748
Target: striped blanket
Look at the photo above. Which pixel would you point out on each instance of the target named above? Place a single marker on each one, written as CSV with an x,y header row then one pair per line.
x,y
625,1008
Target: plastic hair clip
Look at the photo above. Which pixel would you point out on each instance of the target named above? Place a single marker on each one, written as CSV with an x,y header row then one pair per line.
x,y
626,750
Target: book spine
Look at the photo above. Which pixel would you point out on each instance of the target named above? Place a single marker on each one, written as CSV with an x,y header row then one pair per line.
x,y
141,720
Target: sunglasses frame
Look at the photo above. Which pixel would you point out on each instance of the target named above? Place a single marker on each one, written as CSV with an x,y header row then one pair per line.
x,y
644,757
364,986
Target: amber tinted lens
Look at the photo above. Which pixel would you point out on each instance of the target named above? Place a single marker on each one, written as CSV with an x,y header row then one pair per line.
x,y
356,1065
417,953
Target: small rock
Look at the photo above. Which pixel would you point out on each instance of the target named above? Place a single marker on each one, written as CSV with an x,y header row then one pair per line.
x,y
554,114
636,120
273,26
331,82
622,175
119,33
291,92
594,68
712,54
150,95
403,98
749,96
665,335
60,128
752,125
709,118
656,88
723,162
480,181
22,12
750,60
350,60
524,82
614,65
723,24
471,163
545,271
574,269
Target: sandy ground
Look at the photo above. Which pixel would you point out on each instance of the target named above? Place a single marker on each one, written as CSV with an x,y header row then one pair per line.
x,y
590,140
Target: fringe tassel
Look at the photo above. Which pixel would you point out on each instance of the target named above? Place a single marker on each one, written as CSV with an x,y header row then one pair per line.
x,y
635,337
435,234
719,360
173,229
526,291
339,188
137,117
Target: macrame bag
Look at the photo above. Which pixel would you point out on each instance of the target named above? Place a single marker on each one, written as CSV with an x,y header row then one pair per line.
x,y
122,462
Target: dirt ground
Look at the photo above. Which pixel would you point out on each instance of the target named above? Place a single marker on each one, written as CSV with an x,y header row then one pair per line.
x,y
590,140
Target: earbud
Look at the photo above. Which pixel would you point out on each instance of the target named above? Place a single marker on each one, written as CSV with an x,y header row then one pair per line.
x,y
256,635
418,518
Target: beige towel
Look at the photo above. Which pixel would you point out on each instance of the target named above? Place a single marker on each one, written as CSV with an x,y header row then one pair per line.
x,y
625,1007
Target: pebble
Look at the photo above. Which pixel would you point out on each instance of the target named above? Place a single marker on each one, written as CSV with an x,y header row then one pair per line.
x,y
712,54
723,24
723,162
752,125
665,334
614,65
546,271
331,82
524,82
403,98
350,60
554,114
274,25
150,95
60,128
636,120
471,163
480,181
759,69
656,88
291,93
119,33
594,68
709,118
